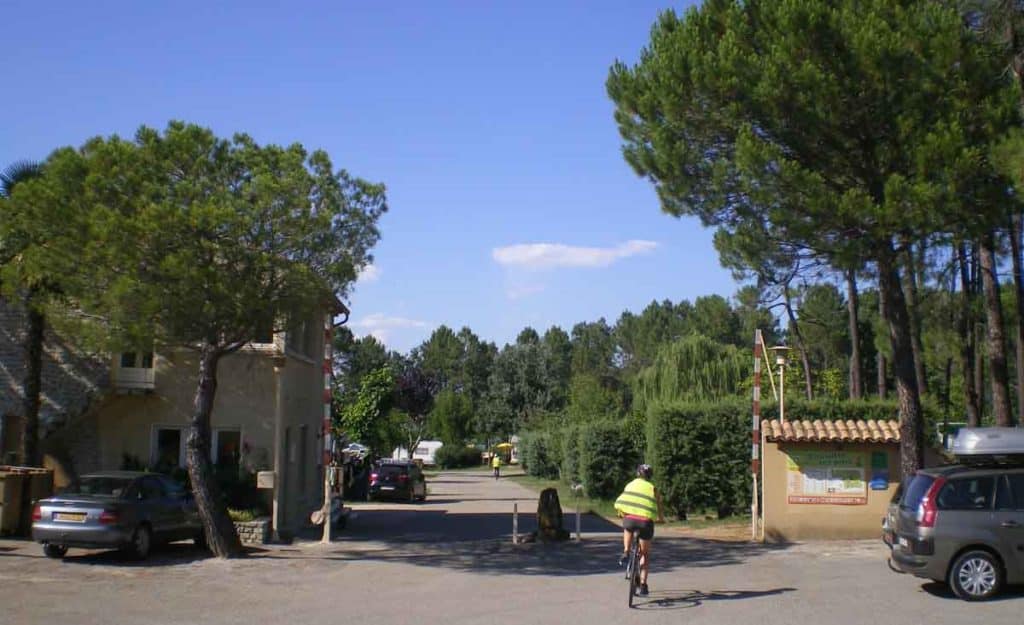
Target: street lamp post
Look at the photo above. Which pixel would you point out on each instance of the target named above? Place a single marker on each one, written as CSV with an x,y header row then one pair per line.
x,y
780,360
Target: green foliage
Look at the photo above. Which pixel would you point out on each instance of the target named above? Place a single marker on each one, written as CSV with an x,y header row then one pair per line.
x,y
607,458
694,368
592,400
365,418
700,453
457,457
537,453
450,419
570,448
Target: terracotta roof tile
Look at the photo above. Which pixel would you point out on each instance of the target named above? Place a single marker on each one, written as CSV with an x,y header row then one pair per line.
x,y
882,431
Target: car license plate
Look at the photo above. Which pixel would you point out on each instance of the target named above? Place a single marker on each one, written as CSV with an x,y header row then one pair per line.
x,y
387,488
70,517
904,542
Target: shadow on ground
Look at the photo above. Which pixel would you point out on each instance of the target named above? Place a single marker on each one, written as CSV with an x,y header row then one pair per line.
x,y
943,591
678,599
174,554
482,543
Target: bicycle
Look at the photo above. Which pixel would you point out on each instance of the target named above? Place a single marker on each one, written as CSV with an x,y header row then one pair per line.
x,y
633,564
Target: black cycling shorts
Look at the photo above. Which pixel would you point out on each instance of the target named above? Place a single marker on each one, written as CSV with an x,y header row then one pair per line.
x,y
644,529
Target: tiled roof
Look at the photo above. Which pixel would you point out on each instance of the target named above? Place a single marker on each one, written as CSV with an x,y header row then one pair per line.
x,y
870,431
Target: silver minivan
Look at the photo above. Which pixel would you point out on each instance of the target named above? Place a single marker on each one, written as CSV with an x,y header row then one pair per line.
x,y
963,525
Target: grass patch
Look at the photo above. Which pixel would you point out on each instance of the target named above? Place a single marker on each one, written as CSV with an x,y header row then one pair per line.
x,y
606,507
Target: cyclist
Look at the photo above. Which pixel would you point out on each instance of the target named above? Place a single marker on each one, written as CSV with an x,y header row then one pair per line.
x,y
639,504
496,465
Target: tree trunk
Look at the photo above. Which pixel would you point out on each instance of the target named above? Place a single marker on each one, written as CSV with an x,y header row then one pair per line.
x,y
856,387
808,386
911,415
882,377
965,328
221,536
1018,284
978,330
914,315
996,341
31,385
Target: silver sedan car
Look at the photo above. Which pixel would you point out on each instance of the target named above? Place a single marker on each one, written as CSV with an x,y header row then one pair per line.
x,y
116,510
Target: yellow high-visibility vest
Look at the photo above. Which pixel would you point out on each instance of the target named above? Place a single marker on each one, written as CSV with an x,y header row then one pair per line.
x,y
638,499
496,462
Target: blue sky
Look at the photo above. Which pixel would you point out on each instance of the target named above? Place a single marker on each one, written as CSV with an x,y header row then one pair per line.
x,y
510,202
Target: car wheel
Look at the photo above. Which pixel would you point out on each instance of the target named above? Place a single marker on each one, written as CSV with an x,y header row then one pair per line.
x,y
54,551
142,542
976,575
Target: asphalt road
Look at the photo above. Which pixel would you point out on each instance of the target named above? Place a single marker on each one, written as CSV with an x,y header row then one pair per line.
x,y
451,560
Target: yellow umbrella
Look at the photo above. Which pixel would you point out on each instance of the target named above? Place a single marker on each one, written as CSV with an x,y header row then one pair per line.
x,y
503,446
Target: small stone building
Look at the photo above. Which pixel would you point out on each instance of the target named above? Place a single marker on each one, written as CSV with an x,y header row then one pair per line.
x,y
827,479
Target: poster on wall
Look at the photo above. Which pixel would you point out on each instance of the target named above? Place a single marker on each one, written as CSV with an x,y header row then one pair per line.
x,y
826,477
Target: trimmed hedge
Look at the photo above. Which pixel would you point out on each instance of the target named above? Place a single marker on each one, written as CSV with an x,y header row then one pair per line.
x,y
607,458
570,444
456,457
536,453
701,456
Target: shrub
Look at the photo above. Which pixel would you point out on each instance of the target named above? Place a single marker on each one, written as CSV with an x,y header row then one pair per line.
x,y
457,456
570,448
536,452
607,458
701,455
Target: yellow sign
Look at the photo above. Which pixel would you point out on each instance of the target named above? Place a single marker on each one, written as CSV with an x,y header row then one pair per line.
x,y
826,477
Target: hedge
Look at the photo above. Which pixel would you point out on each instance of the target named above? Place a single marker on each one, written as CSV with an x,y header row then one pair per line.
x,y
457,456
570,444
607,458
536,454
701,456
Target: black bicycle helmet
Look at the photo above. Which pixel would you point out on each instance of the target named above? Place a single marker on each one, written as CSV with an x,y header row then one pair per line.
x,y
645,471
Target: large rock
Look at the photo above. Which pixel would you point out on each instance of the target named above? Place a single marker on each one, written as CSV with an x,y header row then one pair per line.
x,y
549,517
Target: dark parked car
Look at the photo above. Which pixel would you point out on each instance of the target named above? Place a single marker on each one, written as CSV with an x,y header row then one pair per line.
x,y
397,479
964,526
117,510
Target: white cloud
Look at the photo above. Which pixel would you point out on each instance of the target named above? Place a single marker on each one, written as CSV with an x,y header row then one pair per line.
x,y
369,273
551,255
519,292
380,321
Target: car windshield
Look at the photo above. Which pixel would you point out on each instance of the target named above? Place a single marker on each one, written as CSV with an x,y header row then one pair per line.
x,y
392,470
103,486
916,490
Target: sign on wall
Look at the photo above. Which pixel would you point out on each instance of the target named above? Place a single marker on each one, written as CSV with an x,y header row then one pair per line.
x,y
826,477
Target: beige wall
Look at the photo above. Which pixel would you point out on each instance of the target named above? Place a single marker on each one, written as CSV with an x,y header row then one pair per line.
x,y
275,400
784,521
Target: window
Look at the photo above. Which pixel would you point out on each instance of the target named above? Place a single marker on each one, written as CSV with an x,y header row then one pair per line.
x,y
227,447
1017,487
168,449
137,360
968,493
151,488
1004,497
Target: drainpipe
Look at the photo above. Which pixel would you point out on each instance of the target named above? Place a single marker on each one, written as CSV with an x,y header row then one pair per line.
x,y
279,452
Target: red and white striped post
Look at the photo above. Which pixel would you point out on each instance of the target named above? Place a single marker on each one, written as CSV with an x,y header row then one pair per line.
x,y
755,447
327,425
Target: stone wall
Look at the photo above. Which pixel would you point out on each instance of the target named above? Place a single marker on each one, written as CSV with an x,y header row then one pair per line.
x,y
254,532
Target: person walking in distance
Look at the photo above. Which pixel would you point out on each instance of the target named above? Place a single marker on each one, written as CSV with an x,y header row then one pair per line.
x,y
496,465
639,504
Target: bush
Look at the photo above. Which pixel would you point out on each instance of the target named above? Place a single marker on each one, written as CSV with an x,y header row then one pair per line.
x,y
570,447
537,454
701,455
607,458
457,457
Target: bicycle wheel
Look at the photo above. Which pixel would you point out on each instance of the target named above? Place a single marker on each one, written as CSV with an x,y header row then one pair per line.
x,y
633,568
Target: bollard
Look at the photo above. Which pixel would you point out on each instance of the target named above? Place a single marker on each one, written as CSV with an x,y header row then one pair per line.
x,y
515,523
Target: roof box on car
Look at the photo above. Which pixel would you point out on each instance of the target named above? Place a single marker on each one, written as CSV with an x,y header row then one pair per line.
x,y
1001,445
